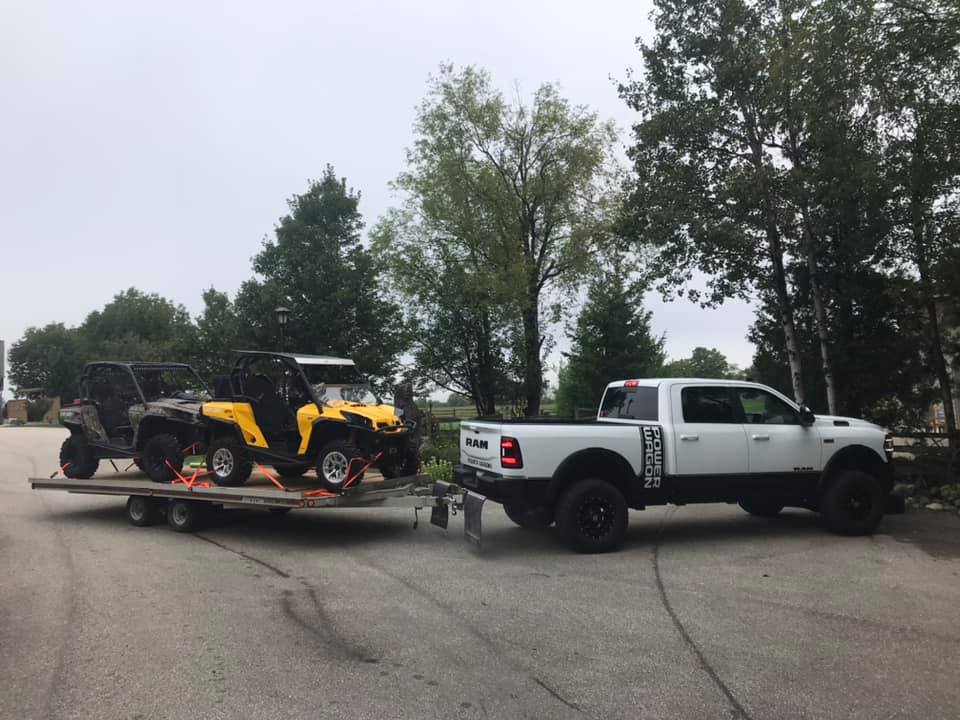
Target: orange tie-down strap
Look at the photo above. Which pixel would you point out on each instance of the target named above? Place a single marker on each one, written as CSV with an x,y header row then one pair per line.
x,y
62,469
323,492
193,481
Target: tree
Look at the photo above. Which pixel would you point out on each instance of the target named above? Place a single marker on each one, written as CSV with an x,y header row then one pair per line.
x,y
520,189
219,335
318,267
50,358
703,363
611,339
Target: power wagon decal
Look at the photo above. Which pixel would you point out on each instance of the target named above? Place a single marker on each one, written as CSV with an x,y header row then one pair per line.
x,y
652,456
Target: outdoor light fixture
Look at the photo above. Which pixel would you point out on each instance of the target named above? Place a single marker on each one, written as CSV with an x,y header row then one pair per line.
x,y
283,314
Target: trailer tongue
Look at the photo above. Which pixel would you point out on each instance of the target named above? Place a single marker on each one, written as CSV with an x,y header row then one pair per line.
x,y
182,504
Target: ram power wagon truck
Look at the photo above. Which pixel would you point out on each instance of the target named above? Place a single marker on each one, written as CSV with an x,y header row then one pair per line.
x,y
679,441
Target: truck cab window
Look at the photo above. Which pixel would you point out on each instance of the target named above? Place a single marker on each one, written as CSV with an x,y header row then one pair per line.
x,y
636,403
710,405
762,408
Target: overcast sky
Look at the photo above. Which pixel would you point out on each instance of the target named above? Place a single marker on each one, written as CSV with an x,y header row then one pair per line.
x,y
154,144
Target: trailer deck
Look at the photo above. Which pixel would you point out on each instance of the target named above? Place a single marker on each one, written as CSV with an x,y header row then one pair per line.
x,y
180,498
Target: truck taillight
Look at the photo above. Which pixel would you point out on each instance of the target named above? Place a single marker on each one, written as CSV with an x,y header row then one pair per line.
x,y
510,455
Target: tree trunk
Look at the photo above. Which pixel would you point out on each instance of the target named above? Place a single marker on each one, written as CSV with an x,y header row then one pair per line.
x,y
785,309
486,372
820,314
532,366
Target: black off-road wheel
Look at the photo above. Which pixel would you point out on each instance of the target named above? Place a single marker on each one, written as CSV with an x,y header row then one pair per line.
x,y
592,516
336,462
77,458
853,503
228,462
291,470
761,507
143,511
409,465
162,458
184,515
529,517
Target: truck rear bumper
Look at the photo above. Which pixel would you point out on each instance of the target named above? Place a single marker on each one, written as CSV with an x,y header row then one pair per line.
x,y
501,489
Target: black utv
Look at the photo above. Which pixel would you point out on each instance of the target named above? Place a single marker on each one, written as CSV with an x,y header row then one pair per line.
x,y
145,412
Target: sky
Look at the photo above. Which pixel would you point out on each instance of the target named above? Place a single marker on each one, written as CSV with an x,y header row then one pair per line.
x,y
154,145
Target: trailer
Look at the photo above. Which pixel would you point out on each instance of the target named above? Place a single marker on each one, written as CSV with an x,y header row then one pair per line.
x,y
184,503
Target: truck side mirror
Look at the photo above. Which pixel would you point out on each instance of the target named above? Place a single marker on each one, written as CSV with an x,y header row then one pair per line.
x,y
807,418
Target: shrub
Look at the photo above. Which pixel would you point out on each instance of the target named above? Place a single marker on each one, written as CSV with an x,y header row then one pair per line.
x,y
439,470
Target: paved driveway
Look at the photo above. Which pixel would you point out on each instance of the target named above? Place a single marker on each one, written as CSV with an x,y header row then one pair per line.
x,y
707,613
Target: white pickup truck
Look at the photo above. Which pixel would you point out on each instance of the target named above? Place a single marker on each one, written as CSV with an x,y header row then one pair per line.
x,y
659,441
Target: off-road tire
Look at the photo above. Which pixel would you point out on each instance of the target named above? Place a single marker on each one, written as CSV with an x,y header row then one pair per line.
x,y
761,507
409,466
82,462
592,516
334,464
184,515
291,470
159,454
143,510
228,462
529,517
853,503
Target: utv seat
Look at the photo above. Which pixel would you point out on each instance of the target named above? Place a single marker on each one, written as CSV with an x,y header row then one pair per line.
x,y
272,414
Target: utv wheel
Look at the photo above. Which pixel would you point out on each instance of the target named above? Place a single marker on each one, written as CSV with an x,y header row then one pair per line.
x,y
853,504
410,465
77,455
228,462
592,516
761,507
527,517
143,511
291,470
162,458
184,515
336,462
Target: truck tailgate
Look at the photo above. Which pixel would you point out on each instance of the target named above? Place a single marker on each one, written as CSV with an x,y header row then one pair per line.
x,y
480,445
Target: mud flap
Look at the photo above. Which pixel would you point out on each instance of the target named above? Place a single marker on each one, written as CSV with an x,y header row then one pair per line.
x,y
440,514
472,512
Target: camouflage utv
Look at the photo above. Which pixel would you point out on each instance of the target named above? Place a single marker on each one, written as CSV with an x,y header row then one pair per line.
x,y
145,412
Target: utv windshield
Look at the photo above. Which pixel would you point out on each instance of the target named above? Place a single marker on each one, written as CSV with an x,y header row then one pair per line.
x,y
173,383
339,382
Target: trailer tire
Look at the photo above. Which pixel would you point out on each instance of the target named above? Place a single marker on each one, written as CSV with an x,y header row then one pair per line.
x,y
184,515
335,462
290,470
761,507
529,517
853,503
592,516
143,510
162,458
228,462
77,455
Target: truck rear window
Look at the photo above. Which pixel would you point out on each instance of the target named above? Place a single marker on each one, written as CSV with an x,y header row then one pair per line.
x,y
635,403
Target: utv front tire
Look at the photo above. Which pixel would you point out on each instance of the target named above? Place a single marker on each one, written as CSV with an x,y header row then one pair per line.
x,y
162,458
853,504
228,462
336,463
77,458
527,517
592,516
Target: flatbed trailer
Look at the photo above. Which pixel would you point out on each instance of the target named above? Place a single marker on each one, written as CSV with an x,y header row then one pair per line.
x,y
183,504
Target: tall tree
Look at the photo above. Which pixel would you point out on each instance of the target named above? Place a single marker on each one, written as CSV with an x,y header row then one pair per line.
x,y
702,363
611,339
219,334
49,357
318,267
519,186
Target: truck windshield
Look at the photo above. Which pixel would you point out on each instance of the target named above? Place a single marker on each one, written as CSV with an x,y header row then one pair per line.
x,y
339,382
636,403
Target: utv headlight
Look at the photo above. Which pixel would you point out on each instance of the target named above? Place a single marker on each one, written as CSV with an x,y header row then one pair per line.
x,y
360,420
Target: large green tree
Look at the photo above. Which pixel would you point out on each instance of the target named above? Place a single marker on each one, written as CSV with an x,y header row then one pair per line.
x,y
702,363
318,267
610,340
49,357
518,191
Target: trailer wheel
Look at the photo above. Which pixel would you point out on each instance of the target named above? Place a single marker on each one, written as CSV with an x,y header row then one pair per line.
x,y
228,462
162,458
184,515
77,455
143,511
337,461
592,516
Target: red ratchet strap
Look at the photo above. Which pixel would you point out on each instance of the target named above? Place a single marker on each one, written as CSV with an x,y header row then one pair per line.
x,y
188,448
192,481
311,493
351,478
61,470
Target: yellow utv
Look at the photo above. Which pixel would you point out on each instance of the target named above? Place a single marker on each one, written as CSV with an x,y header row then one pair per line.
x,y
300,412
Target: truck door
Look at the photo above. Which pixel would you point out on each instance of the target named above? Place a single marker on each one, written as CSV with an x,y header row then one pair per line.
x,y
709,441
777,442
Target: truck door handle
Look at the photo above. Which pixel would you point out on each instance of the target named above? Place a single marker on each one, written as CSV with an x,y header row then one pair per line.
x,y
690,438
760,438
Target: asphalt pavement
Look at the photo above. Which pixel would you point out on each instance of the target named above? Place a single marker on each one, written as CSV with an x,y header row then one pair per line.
x,y
706,613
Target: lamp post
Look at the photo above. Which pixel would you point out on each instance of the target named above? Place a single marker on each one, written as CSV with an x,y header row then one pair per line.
x,y
283,314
